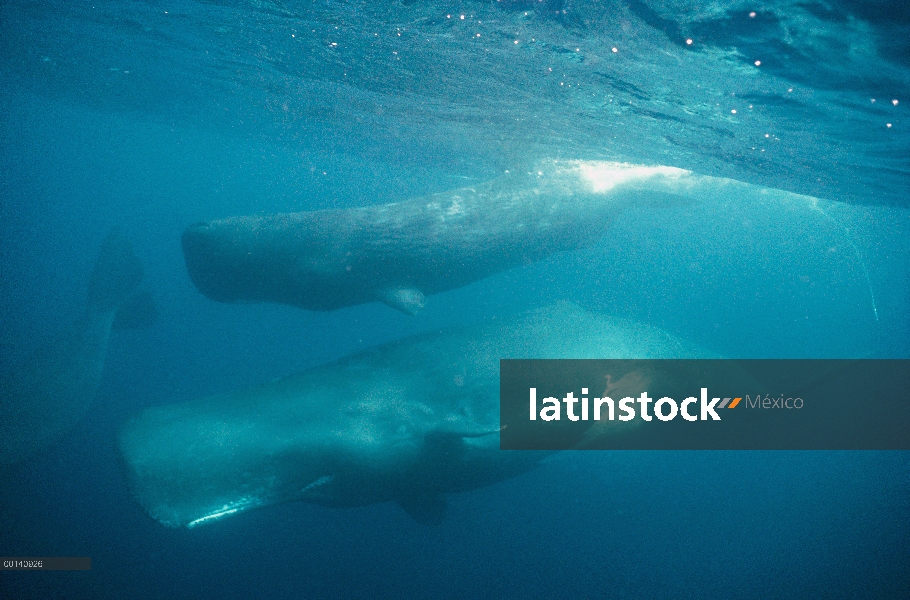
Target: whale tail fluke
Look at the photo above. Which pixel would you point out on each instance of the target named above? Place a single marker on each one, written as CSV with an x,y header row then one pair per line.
x,y
137,312
43,398
116,275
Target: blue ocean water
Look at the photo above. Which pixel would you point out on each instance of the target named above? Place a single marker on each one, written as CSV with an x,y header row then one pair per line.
x,y
150,116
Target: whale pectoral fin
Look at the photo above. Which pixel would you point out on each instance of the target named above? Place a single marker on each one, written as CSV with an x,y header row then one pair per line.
x,y
407,300
427,508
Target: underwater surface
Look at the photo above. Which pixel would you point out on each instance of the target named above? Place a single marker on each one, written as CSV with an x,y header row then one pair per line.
x,y
151,116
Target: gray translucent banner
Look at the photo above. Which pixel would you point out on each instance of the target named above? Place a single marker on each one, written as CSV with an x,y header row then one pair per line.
x,y
46,563
705,404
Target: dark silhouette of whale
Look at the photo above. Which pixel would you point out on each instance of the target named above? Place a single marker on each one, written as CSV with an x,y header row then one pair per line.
x,y
43,398
397,253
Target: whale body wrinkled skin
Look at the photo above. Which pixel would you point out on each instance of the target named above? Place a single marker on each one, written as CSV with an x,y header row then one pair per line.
x,y
42,399
400,252
405,422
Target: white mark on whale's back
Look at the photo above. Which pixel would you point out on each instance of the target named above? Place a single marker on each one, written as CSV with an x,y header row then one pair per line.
x,y
455,208
604,176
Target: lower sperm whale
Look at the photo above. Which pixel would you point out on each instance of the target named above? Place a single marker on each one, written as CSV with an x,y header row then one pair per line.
x,y
406,422
398,253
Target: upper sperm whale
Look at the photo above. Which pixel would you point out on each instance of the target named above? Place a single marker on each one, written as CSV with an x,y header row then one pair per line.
x,y
400,252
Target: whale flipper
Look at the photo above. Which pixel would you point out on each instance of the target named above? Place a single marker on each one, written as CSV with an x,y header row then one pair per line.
x,y
426,508
407,300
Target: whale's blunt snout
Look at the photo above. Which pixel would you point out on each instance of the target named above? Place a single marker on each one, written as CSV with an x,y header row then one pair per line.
x,y
196,238
198,247
202,249
195,232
